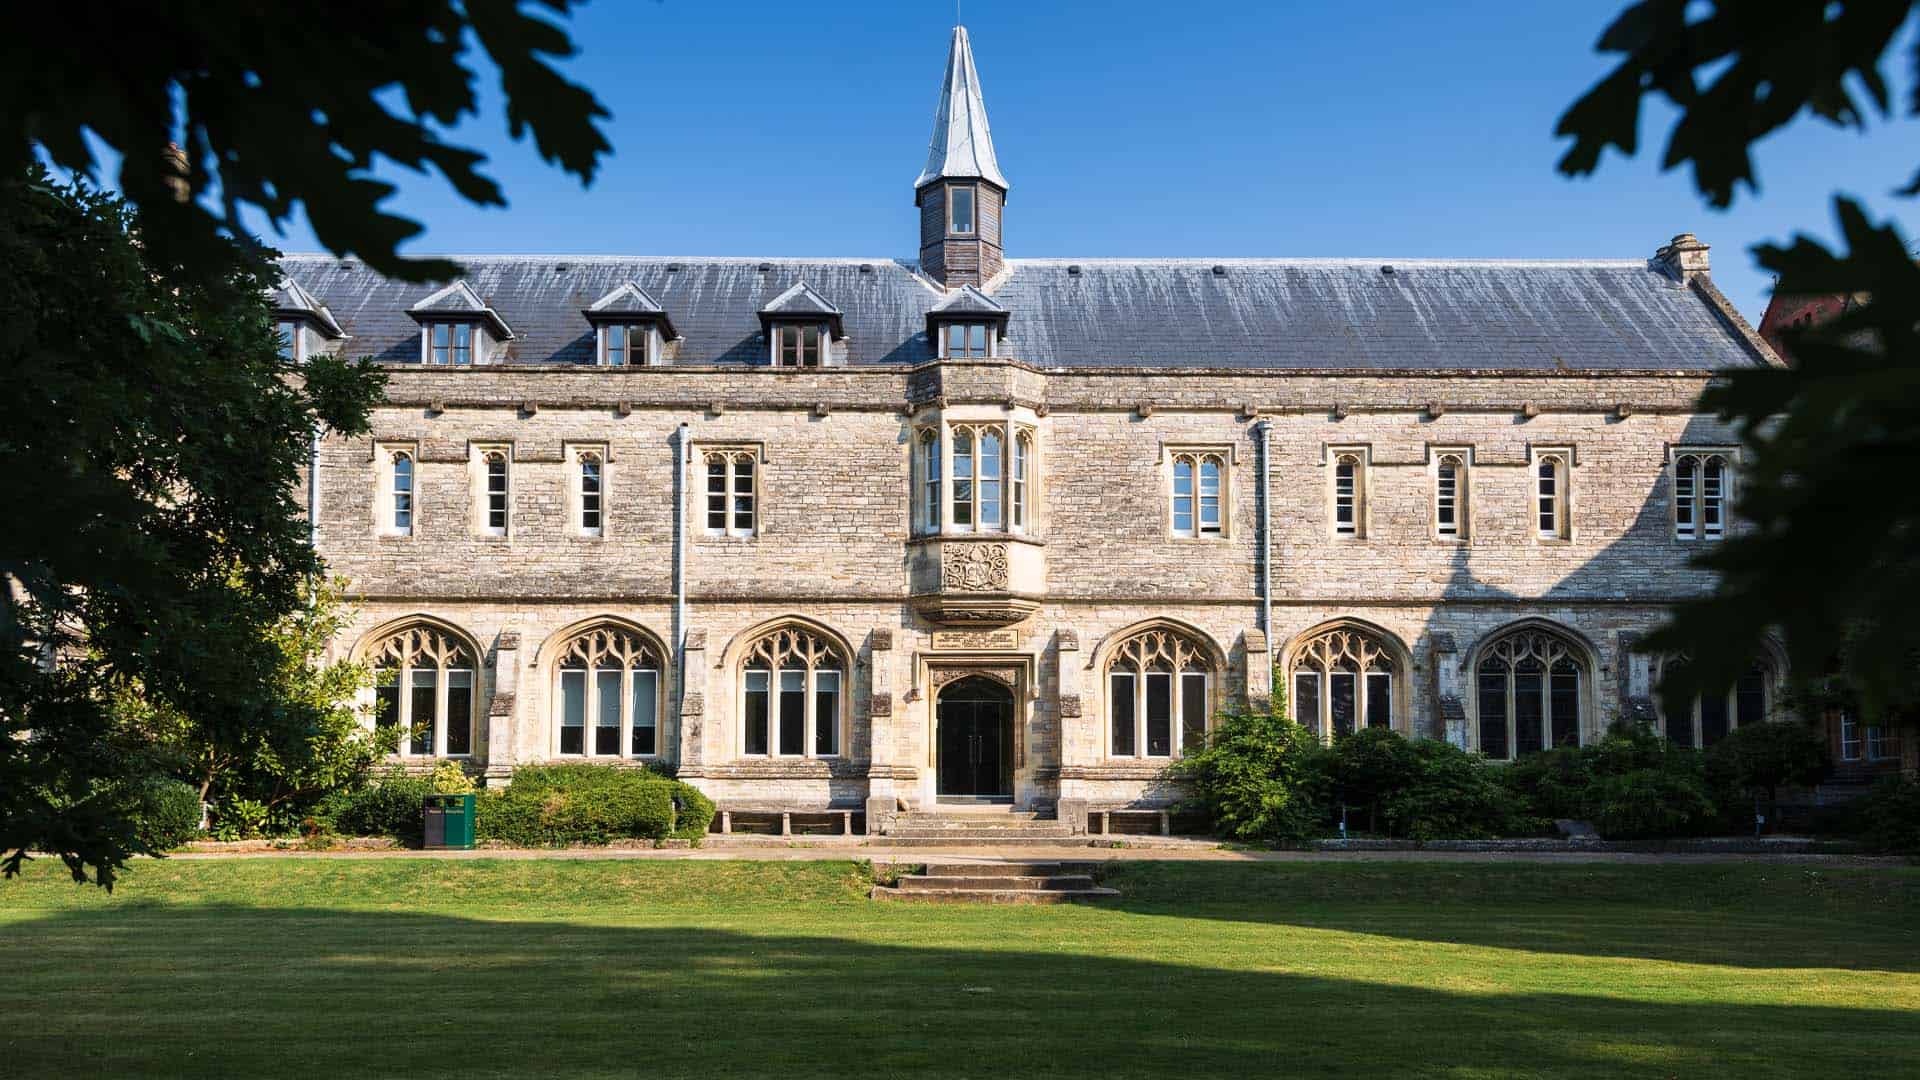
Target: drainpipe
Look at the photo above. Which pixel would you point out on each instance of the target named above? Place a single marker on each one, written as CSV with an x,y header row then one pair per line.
x,y
1263,449
684,458
313,508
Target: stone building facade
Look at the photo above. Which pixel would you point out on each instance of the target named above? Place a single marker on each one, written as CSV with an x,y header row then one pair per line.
x,y
883,534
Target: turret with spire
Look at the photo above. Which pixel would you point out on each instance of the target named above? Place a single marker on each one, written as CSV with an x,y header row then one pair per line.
x,y
961,192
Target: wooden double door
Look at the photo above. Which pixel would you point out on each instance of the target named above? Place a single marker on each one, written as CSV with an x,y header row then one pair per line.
x,y
974,740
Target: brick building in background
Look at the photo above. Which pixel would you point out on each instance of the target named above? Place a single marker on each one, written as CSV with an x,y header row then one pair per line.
x,y
973,528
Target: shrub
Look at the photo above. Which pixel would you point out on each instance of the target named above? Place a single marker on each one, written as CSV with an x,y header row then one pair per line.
x,y
1257,779
389,807
169,813
236,818
1553,783
1644,803
1450,794
1889,817
1367,768
1632,784
547,805
448,778
1763,758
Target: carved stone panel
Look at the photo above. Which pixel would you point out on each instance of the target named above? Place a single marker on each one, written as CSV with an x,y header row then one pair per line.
x,y
880,705
974,567
1069,706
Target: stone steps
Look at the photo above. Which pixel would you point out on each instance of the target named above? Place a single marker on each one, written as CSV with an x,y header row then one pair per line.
x,y
986,824
998,883
1017,840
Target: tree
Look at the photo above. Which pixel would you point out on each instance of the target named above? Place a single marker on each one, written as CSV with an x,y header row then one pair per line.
x,y
1763,758
151,444
1829,559
222,106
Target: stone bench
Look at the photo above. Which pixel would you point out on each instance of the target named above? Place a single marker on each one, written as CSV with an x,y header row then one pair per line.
x,y
784,814
1100,819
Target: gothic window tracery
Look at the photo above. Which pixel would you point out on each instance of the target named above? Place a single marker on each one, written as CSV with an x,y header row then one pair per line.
x,y
1529,688
1343,679
1160,686
793,683
424,689
608,681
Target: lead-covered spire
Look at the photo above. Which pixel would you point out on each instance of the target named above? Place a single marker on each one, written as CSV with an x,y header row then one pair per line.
x,y
962,146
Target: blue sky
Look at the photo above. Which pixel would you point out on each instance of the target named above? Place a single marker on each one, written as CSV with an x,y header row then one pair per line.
x,y
1128,128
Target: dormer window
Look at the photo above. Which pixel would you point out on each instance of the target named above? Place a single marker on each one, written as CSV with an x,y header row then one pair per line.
x,y
969,339
450,344
301,322
960,211
797,345
626,345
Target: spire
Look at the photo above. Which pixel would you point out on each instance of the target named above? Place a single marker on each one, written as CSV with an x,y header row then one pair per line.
x,y
962,146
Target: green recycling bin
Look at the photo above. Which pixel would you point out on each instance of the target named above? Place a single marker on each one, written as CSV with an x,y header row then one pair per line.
x,y
448,822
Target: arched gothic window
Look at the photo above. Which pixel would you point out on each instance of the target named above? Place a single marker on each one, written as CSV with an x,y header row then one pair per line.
x,y
987,478
1159,682
424,687
1342,681
1699,497
1450,496
495,466
1709,717
1349,495
608,680
1528,689
1550,497
793,684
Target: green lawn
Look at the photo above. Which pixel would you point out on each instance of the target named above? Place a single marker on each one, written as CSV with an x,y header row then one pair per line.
x,y
335,968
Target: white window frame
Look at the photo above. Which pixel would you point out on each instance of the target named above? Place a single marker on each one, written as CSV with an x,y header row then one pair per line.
x,y
1361,457
577,455
929,444
977,477
973,193
1690,501
1562,496
776,338
1196,457
1021,463
732,490
1462,495
386,501
633,655
484,456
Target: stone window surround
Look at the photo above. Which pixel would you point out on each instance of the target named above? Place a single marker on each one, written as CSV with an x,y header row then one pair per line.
x,y
1203,650
1012,428
1377,643
649,644
820,643
384,452
478,453
1730,458
1563,532
697,490
1463,494
1229,456
1332,455
1585,657
573,454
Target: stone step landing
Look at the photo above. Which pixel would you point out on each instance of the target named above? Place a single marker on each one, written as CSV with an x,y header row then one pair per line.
x,y
998,883
984,824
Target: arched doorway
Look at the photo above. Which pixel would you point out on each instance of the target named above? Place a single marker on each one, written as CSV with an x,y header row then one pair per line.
x,y
974,741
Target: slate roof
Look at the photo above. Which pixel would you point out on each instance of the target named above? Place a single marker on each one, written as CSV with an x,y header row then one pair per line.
x,y
1275,315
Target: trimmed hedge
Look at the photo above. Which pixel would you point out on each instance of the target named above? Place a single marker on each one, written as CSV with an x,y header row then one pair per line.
x,y
169,813
547,805
389,807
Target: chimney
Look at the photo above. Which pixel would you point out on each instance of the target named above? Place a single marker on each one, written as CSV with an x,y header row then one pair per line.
x,y
1685,257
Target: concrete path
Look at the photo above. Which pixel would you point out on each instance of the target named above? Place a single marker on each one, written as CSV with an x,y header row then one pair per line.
x,y
1191,852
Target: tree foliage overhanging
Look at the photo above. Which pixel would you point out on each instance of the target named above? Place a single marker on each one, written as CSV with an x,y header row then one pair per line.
x,y
1830,558
278,107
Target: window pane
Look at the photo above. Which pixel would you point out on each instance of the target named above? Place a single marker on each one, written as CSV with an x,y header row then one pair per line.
x,y
1340,701
1193,712
617,345
1565,705
1549,498
1493,714
1683,496
962,199
1183,497
1306,699
793,712
1750,698
459,712
386,699
826,712
1447,499
1159,714
977,339
1713,719
573,711
1379,699
810,347
756,719
990,480
963,479
743,494
645,702
717,493
1713,493
1019,482
286,331
1345,512
1529,707
930,478
426,710
1849,737
606,725
1120,706
1209,496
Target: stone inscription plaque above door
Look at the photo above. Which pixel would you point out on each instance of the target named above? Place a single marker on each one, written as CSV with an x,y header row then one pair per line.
x,y
976,639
